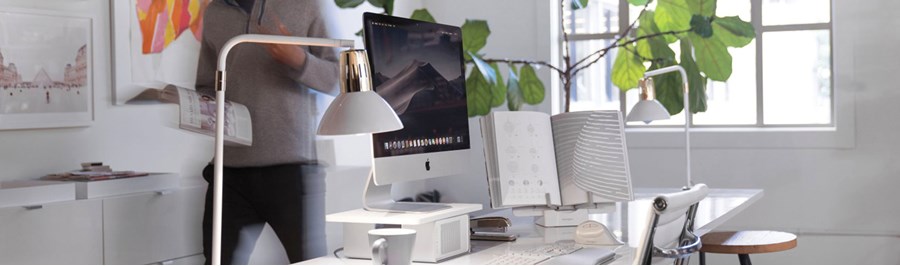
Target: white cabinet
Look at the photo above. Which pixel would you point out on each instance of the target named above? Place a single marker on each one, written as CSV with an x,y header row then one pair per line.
x,y
55,233
153,227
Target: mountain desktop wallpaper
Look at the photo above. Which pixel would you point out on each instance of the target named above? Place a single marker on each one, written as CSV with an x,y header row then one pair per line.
x,y
419,71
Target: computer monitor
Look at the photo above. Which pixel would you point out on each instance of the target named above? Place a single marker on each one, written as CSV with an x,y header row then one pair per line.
x,y
418,68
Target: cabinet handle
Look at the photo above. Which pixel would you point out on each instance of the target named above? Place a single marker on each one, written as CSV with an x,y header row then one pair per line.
x,y
33,207
164,192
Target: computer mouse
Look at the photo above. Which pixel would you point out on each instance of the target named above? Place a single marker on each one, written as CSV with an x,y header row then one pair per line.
x,y
595,233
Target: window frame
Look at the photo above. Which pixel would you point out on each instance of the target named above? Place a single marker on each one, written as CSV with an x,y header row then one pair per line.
x,y
838,134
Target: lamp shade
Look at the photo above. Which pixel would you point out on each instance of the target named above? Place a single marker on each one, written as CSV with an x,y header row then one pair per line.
x,y
358,109
358,112
648,110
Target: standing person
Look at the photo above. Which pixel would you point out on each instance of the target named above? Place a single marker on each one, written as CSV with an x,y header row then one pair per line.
x,y
276,179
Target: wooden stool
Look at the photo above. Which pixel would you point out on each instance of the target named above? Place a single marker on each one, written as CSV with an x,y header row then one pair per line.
x,y
745,243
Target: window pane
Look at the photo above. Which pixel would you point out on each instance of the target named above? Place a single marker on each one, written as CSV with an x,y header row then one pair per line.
x,y
782,12
730,8
733,102
600,16
592,89
797,77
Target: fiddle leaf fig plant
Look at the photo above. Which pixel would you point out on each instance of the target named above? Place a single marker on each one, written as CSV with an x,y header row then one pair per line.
x,y
703,40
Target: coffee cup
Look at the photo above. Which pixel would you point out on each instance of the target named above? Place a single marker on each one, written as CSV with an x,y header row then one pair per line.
x,y
392,246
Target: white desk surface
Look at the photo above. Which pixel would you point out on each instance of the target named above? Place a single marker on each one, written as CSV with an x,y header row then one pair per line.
x,y
720,206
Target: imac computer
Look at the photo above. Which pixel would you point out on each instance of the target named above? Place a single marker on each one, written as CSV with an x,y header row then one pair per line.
x,y
418,68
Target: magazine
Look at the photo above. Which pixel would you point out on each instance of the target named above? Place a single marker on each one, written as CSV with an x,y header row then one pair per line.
x,y
197,113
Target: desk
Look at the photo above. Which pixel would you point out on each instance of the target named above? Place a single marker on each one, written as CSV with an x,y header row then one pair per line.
x,y
720,206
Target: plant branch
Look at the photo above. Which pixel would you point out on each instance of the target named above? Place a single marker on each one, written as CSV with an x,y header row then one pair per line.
x,y
519,61
603,51
624,33
562,28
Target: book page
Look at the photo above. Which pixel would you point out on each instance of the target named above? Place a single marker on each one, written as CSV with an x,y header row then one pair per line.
x,y
198,114
591,157
523,163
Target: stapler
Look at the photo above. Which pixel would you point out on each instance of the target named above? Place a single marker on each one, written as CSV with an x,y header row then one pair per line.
x,y
490,228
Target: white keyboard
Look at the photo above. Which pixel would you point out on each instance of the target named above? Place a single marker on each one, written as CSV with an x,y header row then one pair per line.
x,y
518,259
534,255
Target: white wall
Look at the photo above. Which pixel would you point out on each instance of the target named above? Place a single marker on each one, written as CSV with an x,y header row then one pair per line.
x,y
143,138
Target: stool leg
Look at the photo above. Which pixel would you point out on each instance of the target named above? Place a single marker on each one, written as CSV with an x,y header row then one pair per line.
x,y
702,258
744,258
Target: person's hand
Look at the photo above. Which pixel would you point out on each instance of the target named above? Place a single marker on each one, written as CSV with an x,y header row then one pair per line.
x,y
291,55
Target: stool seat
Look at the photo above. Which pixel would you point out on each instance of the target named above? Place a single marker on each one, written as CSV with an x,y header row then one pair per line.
x,y
747,242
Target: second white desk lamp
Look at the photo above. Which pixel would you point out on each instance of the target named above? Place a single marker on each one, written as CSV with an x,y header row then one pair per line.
x,y
649,109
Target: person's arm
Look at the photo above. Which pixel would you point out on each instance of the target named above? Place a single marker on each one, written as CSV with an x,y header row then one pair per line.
x,y
321,69
316,68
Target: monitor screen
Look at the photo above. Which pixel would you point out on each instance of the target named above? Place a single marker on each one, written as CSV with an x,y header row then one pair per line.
x,y
418,69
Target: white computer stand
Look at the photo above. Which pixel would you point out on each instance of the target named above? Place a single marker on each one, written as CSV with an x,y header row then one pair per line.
x,y
439,235
441,232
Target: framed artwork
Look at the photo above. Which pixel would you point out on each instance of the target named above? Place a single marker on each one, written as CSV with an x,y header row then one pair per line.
x,y
46,69
156,43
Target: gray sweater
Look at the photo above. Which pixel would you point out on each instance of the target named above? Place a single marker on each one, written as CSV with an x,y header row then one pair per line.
x,y
282,107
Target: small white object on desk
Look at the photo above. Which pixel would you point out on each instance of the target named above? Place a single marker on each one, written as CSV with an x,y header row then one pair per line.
x,y
593,232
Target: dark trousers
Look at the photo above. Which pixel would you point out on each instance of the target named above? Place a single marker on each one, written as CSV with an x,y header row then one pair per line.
x,y
291,198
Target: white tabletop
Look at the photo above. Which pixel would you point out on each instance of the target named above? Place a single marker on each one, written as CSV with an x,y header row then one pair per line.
x,y
720,206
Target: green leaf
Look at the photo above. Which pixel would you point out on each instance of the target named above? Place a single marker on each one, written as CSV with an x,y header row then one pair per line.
x,y
348,3
733,32
478,93
422,15
638,2
514,97
489,74
672,15
648,26
359,33
696,82
627,69
389,7
712,57
706,8
701,26
668,87
579,4
475,34
532,87
377,3
656,47
498,91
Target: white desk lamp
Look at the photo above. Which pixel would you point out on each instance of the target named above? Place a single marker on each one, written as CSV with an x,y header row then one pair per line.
x,y
649,109
356,110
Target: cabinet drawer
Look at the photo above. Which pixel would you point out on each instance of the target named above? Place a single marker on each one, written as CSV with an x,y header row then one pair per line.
x,y
57,233
153,227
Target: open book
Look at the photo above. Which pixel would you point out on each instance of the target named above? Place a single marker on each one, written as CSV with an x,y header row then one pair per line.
x,y
197,113
568,159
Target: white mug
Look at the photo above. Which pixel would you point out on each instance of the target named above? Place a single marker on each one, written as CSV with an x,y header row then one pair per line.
x,y
392,246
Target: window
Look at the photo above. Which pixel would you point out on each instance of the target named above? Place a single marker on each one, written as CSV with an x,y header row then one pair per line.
x,y
781,79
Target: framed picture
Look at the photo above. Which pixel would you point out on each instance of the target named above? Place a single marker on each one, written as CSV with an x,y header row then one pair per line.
x,y
46,69
155,43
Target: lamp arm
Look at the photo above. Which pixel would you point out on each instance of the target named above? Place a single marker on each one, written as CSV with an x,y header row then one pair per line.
x,y
220,117
687,114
